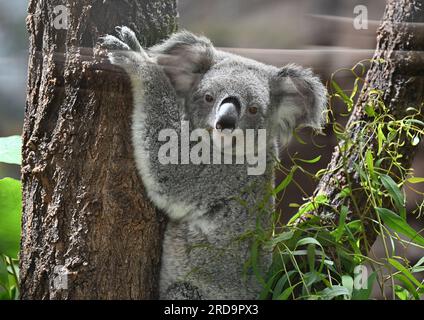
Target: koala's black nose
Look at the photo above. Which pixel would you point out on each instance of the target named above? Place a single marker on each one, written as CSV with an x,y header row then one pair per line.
x,y
226,122
228,113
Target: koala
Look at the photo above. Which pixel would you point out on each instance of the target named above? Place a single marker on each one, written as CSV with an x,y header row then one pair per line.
x,y
210,250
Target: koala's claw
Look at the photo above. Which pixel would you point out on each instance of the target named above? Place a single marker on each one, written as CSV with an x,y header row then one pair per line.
x,y
119,53
124,49
113,43
129,38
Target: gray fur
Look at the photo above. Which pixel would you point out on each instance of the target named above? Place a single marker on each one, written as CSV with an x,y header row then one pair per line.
x,y
211,207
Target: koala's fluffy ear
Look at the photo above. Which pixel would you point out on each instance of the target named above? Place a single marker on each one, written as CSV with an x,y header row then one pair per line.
x,y
184,57
299,99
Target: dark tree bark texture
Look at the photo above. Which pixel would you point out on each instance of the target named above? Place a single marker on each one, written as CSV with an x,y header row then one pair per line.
x,y
86,216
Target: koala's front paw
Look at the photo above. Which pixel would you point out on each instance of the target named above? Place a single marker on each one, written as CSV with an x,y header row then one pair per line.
x,y
124,50
127,36
182,290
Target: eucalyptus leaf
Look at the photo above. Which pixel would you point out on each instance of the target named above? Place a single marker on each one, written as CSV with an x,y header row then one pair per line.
x,y
342,221
281,284
284,236
408,286
395,193
314,160
418,265
415,180
335,291
401,293
285,182
399,225
286,293
405,271
308,240
342,95
370,162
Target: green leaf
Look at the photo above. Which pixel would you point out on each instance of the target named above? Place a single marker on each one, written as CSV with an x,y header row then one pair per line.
x,y
369,110
314,160
284,236
308,240
345,192
10,150
405,271
286,293
10,216
298,138
311,257
355,89
309,279
395,193
415,121
285,182
418,266
301,253
342,220
281,283
409,287
355,226
308,206
348,101
370,162
417,269
321,199
415,180
401,293
399,225
294,205
334,291
381,139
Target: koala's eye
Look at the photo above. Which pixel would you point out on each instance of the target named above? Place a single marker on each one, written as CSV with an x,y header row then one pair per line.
x,y
252,110
209,98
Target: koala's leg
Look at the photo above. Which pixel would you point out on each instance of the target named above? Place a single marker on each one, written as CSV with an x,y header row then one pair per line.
x,y
182,291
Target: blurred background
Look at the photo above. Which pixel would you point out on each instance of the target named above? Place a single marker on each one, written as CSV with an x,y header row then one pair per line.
x,y
320,34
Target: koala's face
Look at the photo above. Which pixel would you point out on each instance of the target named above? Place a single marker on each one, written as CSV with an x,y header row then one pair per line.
x,y
231,95
222,92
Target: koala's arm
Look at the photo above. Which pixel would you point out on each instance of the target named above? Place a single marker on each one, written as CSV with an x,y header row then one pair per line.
x,y
153,93
158,77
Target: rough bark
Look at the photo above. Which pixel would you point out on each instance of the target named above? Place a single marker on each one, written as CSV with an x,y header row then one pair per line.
x,y
400,42
84,205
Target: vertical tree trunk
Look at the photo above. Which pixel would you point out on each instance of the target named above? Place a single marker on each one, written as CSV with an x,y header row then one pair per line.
x,y
89,231
397,70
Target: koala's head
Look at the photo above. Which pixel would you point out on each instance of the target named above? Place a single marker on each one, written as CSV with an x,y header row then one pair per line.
x,y
222,91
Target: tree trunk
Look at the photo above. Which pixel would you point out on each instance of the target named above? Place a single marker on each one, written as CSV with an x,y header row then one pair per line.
x,y
88,230
400,77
